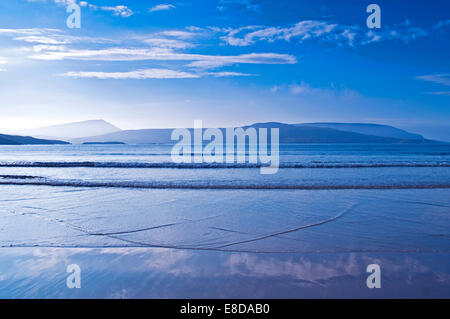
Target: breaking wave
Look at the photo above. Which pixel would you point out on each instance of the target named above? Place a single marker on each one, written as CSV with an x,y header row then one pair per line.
x,y
42,181
214,165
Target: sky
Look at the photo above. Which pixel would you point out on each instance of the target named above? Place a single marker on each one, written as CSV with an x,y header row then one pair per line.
x,y
164,64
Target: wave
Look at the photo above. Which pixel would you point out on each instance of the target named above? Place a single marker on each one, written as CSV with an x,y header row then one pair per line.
x,y
215,165
19,177
287,231
35,181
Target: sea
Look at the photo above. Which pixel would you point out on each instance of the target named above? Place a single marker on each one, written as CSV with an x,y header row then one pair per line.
x,y
139,225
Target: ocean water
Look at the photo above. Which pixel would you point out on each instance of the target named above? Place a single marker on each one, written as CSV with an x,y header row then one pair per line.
x,y
139,225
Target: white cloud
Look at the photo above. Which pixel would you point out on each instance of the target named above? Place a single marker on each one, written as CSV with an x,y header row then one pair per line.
x,y
150,74
61,2
162,7
403,32
306,90
138,74
212,61
168,43
161,46
45,47
302,31
162,54
275,89
340,35
232,36
28,32
119,10
113,54
225,74
443,78
3,61
49,36
299,88
41,39
179,34
168,46
65,2
302,270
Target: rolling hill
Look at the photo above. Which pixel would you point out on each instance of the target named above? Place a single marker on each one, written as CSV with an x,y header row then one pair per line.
x,y
368,129
69,130
26,140
288,134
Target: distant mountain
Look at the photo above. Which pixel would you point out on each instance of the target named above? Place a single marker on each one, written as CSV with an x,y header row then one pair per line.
x,y
71,130
291,134
369,129
103,143
131,137
288,134
26,140
439,132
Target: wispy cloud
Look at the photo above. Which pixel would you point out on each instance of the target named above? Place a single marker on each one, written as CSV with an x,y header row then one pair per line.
x,y
3,61
50,36
248,5
138,74
299,88
213,61
443,78
150,74
304,89
61,2
181,34
447,93
162,54
29,32
275,89
64,2
168,43
119,10
41,39
442,24
224,74
45,47
337,34
162,7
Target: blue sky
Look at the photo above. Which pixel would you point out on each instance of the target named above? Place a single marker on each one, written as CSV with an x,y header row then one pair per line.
x,y
144,64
